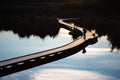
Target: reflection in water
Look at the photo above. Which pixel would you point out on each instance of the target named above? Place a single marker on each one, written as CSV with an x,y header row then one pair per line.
x,y
92,66
75,33
25,18
103,17
59,74
25,26
103,25
12,46
69,74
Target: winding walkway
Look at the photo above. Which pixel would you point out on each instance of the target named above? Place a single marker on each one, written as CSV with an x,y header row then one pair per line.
x,y
28,61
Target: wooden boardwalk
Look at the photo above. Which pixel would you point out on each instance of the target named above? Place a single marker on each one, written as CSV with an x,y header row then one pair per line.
x,y
28,61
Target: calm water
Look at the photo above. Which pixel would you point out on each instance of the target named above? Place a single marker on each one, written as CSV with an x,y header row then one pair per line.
x,y
97,64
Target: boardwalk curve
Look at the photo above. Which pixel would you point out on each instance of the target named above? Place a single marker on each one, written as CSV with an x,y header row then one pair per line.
x,y
28,61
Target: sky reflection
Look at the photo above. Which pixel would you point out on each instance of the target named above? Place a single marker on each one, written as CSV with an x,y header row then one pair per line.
x,y
60,74
89,66
69,74
11,45
97,64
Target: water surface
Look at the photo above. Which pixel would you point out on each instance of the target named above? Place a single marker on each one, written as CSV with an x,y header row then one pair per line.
x,y
11,45
98,63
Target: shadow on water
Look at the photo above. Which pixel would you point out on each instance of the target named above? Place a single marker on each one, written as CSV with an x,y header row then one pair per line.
x,y
23,17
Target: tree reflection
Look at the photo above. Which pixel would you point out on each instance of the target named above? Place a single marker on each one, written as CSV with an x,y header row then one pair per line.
x,y
108,25
101,15
25,26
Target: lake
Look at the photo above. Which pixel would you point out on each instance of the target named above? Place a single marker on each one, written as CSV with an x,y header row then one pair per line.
x,y
28,27
97,64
